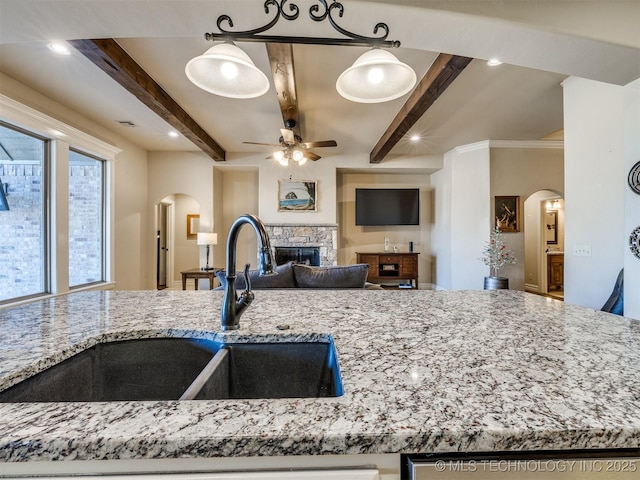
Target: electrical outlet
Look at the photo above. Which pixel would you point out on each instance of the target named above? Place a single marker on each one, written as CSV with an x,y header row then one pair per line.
x,y
582,251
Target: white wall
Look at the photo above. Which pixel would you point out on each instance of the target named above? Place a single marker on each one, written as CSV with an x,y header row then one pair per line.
x,y
441,227
532,238
247,183
535,245
131,220
595,125
353,238
240,196
521,169
185,250
631,200
461,217
470,216
184,173
323,171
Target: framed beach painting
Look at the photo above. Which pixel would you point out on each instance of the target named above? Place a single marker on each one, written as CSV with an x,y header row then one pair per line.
x,y
297,195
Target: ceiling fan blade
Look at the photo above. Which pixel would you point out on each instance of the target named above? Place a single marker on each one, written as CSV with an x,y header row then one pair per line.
x,y
258,143
288,136
323,143
310,155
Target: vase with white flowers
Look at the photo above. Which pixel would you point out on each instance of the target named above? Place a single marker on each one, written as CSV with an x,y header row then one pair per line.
x,y
496,255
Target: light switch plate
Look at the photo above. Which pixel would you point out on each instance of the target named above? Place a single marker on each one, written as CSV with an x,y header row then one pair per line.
x,y
582,250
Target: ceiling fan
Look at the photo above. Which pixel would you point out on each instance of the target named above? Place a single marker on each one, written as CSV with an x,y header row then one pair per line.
x,y
291,146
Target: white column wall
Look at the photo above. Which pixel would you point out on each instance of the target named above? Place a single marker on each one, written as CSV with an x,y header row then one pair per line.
x,y
441,225
631,199
470,215
595,185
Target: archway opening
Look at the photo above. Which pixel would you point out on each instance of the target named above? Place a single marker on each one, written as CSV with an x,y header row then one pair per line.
x,y
544,243
177,223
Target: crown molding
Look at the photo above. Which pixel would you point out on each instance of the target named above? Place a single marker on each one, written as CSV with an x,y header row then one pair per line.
x,y
509,144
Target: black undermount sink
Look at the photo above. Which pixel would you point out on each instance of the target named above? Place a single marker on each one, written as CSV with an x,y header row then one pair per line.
x,y
185,369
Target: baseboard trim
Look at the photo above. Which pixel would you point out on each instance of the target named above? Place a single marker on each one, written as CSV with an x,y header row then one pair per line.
x,y
529,287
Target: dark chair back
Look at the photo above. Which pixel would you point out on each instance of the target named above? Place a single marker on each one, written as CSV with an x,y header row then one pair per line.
x,y
615,304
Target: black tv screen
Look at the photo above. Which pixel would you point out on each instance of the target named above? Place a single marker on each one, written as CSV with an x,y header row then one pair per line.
x,y
387,206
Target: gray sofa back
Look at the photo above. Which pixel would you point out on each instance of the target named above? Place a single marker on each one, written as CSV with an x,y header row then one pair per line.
x,y
292,275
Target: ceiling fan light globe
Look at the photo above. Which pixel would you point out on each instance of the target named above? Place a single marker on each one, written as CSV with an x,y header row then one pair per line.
x,y
358,82
302,161
281,158
227,71
298,156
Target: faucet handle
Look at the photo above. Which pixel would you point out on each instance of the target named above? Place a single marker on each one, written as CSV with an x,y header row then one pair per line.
x,y
247,280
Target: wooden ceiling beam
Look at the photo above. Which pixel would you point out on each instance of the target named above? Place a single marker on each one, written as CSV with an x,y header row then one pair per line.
x,y
444,70
111,58
284,79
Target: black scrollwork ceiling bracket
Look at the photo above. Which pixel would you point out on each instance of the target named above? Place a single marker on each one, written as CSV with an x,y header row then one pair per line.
x,y
329,11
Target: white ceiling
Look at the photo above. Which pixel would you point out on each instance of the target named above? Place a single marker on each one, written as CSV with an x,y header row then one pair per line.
x,y
519,100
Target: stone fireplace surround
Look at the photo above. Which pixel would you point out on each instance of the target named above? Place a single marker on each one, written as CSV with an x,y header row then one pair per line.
x,y
323,236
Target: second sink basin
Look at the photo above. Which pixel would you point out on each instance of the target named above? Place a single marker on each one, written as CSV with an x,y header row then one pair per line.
x,y
269,370
185,368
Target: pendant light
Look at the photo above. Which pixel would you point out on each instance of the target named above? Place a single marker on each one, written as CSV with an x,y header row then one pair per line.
x,y
227,71
376,76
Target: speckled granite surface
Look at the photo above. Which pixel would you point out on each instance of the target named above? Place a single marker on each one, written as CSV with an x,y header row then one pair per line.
x,y
423,371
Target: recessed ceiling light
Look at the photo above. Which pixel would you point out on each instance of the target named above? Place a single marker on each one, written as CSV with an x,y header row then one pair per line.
x,y
494,62
415,137
59,48
173,134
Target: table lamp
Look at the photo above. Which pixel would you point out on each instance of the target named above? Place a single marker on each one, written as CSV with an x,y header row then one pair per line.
x,y
207,239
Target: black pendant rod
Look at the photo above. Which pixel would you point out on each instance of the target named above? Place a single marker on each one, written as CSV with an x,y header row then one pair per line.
x,y
341,42
316,15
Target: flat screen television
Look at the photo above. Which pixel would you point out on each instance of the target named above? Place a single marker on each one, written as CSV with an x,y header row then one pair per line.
x,y
387,206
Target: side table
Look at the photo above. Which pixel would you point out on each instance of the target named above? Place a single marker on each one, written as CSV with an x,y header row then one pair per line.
x,y
197,274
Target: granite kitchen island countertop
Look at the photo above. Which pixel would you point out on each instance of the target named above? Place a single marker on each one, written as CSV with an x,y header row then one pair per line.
x,y
423,371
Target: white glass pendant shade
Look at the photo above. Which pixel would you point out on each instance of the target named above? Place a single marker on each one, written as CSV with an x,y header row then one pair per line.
x,y
376,76
227,71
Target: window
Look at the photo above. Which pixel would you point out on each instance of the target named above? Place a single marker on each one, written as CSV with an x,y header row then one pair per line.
x,y
86,219
55,213
23,234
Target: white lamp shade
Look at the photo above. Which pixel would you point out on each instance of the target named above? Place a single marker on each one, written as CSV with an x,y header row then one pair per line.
x,y
227,71
207,238
376,76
